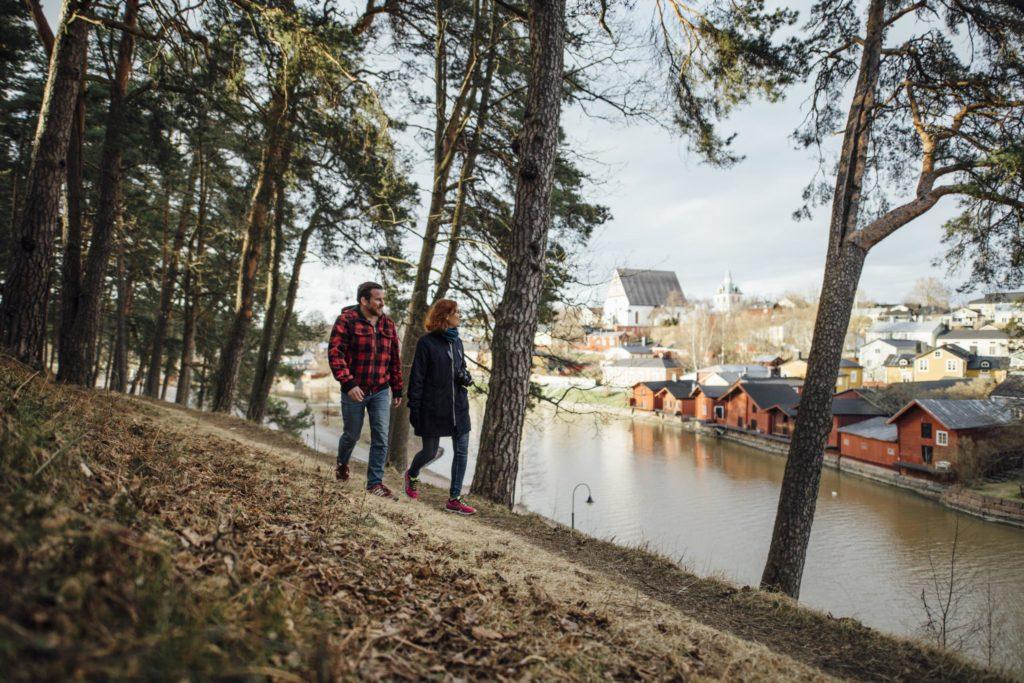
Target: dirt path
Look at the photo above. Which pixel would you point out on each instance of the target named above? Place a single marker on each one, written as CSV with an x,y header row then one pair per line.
x,y
838,647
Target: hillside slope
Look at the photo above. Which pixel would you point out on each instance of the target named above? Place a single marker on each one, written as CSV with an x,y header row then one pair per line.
x,y
140,539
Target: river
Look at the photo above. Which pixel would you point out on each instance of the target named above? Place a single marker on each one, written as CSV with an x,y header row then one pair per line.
x,y
710,505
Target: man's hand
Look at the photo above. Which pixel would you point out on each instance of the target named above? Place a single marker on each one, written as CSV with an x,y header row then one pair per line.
x,y
356,394
397,401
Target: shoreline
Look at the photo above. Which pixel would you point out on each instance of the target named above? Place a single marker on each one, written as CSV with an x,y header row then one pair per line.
x,y
955,497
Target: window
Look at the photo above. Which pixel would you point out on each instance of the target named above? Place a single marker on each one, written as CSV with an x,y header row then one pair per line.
x,y
926,430
853,376
863,446
704,410
719,412
922,365
938,354
942,438
846,441
926,454
891,451
950,365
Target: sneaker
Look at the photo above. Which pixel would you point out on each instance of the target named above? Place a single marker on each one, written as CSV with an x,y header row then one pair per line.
x,y
380,490
412,486
341,472
458,507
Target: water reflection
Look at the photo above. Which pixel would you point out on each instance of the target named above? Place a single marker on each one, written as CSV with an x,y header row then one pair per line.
x,y
711,505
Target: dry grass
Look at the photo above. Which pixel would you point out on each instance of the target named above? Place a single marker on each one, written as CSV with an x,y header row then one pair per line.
x,y
141,542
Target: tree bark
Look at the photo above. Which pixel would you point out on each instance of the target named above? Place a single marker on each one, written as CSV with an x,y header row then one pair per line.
x,y
447,131
277,349
84,333
843,263
263,193
191,291
169,280
27,286
71,266
516,316
261,378
119,372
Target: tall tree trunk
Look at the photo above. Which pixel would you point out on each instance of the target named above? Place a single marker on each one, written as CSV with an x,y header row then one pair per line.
x,y
444,282
27,287
263,193
168,281
256,407
74,365
843,263
516,316
168,371
191,290
119,373
71,268
277,350
447,131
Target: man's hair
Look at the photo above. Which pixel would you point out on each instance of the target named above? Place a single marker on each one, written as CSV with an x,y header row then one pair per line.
x,y
365,289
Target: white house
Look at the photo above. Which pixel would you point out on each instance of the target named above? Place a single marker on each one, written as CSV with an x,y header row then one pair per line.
x,y
987,304
979,342
963,317
628,372
633,296
872,355
925,331
1007,313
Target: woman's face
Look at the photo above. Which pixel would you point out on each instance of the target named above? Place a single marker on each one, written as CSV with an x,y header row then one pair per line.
x,y
454,318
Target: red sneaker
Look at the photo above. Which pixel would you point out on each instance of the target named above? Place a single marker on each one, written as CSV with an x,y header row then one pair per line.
x,y
458,507
412,486
380,490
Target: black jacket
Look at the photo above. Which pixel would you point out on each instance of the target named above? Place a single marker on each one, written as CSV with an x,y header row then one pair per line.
x,y
438,400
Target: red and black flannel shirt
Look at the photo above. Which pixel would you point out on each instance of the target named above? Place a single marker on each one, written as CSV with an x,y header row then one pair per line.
x,y
363,356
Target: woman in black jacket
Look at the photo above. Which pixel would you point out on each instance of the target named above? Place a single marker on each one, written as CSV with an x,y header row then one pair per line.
x,y
439,402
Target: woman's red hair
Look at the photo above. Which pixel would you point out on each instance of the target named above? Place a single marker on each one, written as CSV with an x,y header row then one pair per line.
x,y
437,316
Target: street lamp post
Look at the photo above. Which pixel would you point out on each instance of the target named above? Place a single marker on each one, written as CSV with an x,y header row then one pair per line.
x,y
590,501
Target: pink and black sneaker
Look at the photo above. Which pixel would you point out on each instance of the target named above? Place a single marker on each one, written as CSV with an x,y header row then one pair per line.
x,y
412,486
458,507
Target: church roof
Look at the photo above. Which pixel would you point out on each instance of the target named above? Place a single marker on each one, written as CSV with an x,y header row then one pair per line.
x,y
649,287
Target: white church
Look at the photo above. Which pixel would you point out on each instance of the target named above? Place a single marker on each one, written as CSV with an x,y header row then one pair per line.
x,y
728,297
641,298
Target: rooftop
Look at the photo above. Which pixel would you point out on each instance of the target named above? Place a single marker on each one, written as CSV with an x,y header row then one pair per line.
x,y
1011,387
680,389
855,406
899,360
875,428
649,287
998,297
974,334
970,413
644,363
767,394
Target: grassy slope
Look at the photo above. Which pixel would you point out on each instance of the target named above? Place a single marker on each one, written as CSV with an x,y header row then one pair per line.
x,y
144,540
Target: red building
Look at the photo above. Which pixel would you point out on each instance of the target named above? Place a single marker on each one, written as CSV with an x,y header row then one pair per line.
x,y
748,404
874,440
848,411
706,404
645,395
932,431
677,398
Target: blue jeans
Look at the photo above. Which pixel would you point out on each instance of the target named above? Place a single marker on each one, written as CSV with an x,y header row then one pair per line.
x,y
459,459
378,405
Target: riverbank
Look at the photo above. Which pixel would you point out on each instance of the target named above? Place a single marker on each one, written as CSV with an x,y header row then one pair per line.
x,y
145,539
990,508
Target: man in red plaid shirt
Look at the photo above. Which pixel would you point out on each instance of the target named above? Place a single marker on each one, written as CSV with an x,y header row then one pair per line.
x,y
364,356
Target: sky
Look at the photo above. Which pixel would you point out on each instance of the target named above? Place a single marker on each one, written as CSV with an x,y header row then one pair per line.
x,y
670,212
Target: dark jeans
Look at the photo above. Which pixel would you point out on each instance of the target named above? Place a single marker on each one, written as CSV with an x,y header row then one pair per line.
x,y
459,459
378,405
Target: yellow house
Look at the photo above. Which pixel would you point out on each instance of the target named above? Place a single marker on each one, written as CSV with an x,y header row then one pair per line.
x,y
851,374
951,361
795,367
899,367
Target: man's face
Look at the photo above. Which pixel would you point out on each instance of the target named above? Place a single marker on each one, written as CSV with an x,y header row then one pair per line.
x,y
375,302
